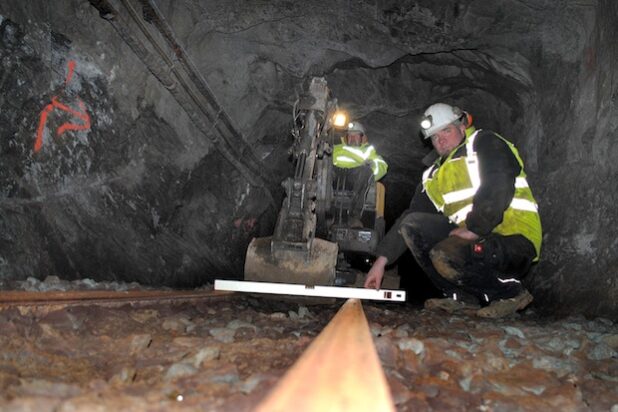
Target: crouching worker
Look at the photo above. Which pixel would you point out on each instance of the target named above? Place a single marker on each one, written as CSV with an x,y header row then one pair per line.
x,y
473,225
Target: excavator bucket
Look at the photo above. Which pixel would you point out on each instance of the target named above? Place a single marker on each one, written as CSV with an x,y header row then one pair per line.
x,y
291,266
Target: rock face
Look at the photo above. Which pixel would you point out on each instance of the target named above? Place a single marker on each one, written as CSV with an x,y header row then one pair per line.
x,y
111,174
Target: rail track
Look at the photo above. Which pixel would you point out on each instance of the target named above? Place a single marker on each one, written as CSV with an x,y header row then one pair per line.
x,y
339,371
102,297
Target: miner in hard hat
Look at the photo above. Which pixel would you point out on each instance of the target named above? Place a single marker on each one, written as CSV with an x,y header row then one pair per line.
x,y
357,162
473,224
355,151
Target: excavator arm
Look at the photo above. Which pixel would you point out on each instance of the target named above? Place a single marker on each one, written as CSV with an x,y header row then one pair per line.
x,y
294,254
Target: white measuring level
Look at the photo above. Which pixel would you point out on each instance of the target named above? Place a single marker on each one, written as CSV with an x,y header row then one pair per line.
x,y
304,290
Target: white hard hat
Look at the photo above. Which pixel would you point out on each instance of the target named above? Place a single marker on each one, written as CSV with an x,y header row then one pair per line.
x,y
438,116
356,127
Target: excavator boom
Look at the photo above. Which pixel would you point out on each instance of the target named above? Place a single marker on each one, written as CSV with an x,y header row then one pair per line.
x,y
294,254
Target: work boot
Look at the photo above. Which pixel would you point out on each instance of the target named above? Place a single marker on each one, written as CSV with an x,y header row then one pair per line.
x,y
450,305
504,307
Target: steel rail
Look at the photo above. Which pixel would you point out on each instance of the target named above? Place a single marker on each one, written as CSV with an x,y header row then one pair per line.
x,y
86,297
340,371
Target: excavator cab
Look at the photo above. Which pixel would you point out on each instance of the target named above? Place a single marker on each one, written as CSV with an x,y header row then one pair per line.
x,y
357,233
354,218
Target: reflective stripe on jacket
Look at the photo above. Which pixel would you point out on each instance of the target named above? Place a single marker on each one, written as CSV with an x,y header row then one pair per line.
x,y
347,157
451,187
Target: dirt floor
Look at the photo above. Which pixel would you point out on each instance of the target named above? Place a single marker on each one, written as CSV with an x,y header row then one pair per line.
x,y
225,355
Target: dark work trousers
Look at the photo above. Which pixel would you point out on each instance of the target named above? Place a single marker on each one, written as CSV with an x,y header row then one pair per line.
x,y
487,269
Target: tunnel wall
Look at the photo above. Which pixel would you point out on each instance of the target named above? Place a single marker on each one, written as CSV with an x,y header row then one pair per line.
x,y
144,195
577,170
123,186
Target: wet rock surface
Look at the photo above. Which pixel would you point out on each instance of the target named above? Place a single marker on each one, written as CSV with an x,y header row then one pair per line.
x,y
226,355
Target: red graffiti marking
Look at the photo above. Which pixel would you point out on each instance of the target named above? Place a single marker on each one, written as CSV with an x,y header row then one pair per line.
x,y
250,224
246,224
82,115
70,73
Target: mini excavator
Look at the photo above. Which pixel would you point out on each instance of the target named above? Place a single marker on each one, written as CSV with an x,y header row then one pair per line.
x,y
314,242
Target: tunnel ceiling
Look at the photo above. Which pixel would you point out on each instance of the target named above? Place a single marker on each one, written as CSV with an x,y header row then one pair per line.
x,y
123,182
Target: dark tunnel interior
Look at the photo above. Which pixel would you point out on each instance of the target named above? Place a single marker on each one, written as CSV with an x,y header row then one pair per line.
x,y
146,144
109,174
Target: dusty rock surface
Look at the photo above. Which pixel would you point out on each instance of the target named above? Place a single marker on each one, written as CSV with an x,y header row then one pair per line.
x,y
54,283
225,355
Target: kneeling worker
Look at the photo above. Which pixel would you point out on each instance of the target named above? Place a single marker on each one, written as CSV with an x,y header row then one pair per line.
x,y
473,225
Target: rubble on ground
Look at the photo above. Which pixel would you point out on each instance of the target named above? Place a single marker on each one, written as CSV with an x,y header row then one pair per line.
x,y
227,354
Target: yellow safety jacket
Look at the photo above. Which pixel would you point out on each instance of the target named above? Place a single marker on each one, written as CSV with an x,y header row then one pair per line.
x,y
347,157
451,187
470,130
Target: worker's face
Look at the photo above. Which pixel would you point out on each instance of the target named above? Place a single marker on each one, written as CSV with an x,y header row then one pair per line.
x,y
448,138
355,139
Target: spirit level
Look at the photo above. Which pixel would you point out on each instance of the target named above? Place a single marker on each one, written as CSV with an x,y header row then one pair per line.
x,y
306,290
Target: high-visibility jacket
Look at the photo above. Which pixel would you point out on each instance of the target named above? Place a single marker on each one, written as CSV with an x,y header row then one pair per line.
x,y
347,157
452,183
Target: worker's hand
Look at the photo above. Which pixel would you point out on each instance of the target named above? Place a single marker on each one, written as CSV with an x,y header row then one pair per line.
x,y
376,273
463,233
